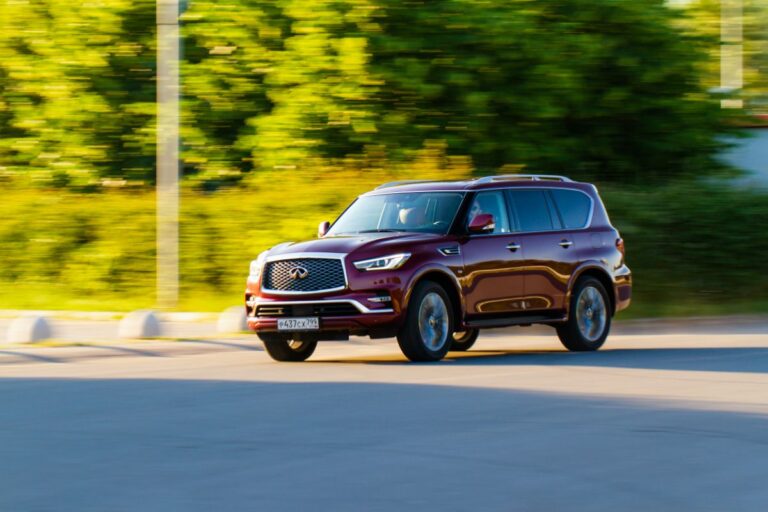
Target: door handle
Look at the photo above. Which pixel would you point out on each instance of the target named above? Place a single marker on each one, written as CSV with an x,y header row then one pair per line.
x,y
513,246
565,244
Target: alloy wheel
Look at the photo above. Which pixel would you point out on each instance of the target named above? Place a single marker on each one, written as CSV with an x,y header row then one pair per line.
x,y
591,313
433,321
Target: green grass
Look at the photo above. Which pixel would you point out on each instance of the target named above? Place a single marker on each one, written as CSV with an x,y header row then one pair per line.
x,y
52,297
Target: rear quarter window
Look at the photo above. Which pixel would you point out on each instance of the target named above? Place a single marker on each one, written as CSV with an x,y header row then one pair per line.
x,y
573,207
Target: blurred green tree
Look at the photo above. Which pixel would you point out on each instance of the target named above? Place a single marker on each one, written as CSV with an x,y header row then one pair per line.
x,y
604,90
607,90
48,110
77,90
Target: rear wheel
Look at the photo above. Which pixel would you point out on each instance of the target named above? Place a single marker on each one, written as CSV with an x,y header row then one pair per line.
x,y
589,320
281,348
426,334
463,340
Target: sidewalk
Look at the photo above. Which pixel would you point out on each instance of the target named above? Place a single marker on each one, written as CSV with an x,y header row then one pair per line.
x,y
95,327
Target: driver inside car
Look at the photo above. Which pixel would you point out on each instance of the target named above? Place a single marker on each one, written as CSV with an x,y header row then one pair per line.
x,y
413,217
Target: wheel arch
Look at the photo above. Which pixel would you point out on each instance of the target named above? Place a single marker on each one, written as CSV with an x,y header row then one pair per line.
x,y
448,281
601,275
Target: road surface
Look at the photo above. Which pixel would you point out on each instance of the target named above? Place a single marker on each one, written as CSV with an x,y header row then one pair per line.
x,y
674,420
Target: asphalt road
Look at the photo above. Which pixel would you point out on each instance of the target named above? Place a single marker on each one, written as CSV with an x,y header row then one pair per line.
x,y
655,421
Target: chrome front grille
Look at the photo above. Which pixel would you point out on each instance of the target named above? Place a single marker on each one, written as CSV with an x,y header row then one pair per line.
x,y
304,275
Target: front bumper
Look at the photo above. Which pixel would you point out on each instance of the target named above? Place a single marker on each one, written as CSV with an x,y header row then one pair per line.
x,y
360,316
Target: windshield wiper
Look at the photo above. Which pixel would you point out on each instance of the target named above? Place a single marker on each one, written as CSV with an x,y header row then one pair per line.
x,y
381,231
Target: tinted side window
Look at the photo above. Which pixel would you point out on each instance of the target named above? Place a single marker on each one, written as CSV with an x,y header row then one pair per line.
x,y
493,203
573,206
532,210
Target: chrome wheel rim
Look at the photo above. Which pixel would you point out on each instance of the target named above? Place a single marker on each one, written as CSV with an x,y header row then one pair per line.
x,y
433,321
591,314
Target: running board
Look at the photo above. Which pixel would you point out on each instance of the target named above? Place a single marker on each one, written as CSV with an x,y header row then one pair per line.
x,y
483,323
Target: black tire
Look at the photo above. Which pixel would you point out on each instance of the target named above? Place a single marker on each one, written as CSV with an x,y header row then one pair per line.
x,y
282,348
571,334
463,340
410,337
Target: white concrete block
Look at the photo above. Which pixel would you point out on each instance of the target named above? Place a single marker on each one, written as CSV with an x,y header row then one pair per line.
x,y
232,320
29,329
139,324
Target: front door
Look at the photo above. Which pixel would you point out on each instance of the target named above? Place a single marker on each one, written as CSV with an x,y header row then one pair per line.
x,y
492,280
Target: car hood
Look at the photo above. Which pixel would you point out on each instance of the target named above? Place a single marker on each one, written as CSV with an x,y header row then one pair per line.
x,y
372,244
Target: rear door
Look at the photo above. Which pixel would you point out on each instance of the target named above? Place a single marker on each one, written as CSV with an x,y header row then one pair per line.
x,y
492,280
549,249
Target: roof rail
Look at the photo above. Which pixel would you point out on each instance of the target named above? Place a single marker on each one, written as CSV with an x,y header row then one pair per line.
x,y
532,177
404,182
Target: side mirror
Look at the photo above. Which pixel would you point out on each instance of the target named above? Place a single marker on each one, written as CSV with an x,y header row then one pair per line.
x,y
482,223
323,228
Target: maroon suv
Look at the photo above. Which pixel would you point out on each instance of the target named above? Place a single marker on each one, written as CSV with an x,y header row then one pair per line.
x,y
432,263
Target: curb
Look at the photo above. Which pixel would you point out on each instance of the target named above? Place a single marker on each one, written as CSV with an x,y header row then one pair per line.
x,y
106,316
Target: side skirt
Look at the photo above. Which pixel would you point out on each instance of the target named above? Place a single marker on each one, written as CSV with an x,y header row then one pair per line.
x,y
482,321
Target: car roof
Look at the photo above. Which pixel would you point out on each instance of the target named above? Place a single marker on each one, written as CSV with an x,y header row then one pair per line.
x,y
486,182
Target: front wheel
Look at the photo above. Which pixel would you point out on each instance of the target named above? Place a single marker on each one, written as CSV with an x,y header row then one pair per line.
x,y
589,319
426,334
283,349
463,340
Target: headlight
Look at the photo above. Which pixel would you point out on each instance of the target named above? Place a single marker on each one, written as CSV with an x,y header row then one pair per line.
x,y
384,263
256,266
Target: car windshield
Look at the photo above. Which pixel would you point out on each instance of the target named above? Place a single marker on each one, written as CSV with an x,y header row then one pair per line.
x,y
423,212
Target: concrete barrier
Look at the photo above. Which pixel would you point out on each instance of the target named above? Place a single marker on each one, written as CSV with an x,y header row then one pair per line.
x,y
232,320
29,329
139,324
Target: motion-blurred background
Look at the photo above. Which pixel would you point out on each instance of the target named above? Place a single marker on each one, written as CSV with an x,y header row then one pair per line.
x,y
290,108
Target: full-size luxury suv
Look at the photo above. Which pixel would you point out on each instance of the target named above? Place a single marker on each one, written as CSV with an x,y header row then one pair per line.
x,y
432,263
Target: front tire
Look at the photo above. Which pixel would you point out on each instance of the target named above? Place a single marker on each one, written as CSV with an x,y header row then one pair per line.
x,y
462,341
426,334
283,349
589,318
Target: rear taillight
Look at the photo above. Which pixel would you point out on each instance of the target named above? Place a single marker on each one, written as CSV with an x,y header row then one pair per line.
x,y
620,246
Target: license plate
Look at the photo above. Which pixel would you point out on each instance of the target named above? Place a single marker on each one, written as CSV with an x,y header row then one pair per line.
x,y
298,324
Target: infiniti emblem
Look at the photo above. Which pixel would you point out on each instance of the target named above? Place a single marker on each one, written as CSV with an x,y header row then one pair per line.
x,y
298,273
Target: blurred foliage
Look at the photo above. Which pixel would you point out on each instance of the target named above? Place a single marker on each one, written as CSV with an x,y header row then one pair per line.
x,y
68,250
693,249
293,107
704,19
693,246
608,89
76,90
